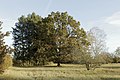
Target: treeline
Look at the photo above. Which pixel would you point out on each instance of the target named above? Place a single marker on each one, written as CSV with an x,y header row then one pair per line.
x,y
57,38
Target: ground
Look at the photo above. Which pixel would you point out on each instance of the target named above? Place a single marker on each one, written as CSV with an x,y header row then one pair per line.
x,y
65,72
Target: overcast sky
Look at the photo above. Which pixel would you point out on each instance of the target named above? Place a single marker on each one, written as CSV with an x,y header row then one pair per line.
x,y
104,14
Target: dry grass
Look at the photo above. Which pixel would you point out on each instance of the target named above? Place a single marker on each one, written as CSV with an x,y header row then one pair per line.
x,y
66,72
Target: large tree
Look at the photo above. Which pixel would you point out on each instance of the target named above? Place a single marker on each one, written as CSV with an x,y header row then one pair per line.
x,y
23,34
42,41
66,36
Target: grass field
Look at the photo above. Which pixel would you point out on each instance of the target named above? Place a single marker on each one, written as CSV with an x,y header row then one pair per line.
x,y
66,72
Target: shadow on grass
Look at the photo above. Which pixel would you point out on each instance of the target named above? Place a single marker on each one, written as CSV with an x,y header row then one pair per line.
x,y
52,66
115,67
66,66
50,78
110,78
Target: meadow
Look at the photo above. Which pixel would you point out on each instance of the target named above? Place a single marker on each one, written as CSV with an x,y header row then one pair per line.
x,y
65,72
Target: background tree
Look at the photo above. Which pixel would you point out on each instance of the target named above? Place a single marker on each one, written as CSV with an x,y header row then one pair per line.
x,y
106,57
117,51
116,57
4,52
97,38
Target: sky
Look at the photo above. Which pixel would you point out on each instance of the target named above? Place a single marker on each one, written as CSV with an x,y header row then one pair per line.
x,y
104,14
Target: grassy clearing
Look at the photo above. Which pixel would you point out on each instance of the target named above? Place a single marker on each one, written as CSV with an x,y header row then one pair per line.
x,y
66,72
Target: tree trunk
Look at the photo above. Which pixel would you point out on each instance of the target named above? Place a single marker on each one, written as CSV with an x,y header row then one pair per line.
x,y
43,62
58,64
88,66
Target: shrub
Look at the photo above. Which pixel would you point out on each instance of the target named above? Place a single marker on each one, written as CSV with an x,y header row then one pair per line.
x,y
6,63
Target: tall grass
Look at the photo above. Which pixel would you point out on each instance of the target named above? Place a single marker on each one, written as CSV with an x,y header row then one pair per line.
x,y
66,72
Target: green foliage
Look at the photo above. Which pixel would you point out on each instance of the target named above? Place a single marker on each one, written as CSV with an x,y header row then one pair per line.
x,y
66,36
52,38
25,36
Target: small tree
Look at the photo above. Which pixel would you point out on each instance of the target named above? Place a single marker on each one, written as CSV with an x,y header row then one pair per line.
x,y
96,37
5,60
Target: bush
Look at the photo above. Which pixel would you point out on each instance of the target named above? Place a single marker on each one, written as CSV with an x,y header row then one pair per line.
x,y
6,63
